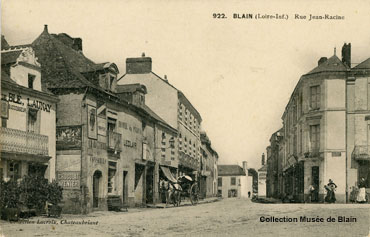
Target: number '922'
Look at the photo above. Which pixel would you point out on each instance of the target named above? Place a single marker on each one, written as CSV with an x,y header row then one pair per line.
x,y
219,15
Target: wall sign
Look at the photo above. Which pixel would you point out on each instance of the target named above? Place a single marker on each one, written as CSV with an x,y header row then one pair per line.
x,y
92,123
32,103
98,160
69,179
68,137
102,126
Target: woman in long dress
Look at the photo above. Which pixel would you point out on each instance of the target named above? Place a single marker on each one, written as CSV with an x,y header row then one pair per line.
x,y
361,196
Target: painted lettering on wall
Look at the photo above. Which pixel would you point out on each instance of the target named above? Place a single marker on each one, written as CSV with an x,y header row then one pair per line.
x,y
98,160
69,179
17,99
129,143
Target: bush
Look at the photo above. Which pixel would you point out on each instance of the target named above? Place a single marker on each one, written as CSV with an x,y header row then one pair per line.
x,y
55,193
34,192
10,193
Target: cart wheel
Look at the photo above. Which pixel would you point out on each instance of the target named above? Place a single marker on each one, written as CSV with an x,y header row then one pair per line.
x,y
194,194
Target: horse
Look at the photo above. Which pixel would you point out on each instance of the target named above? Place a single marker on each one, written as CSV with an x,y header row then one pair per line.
x,y
171,192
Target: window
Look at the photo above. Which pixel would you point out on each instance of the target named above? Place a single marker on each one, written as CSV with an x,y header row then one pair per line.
x,y
32,125
315,137
219,182
31,79
4,122
233,181
315,97
14,170
300,104
180,142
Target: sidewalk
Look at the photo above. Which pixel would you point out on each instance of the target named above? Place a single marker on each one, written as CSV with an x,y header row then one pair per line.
x,y
185,202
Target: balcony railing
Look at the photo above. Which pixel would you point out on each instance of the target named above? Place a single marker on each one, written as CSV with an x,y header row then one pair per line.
x,y
312,152
361,152
115,141
17,141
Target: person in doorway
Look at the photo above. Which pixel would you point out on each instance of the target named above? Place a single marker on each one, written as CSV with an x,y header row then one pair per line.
x,y
330,195
361,196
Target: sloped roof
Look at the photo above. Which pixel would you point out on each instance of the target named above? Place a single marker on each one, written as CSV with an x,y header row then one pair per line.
x,y
333,64
263,168
364,65
156,117
131,88
4,43
6,77
61,65
230,170
8,57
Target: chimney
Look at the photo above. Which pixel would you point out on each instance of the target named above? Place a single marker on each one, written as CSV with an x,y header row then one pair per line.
x,y
346,54
77,44
139,65
46,28
322,60
263,159
165,78
245,167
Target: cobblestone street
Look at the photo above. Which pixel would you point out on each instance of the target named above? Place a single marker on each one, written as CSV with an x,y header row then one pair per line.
x,y
228,217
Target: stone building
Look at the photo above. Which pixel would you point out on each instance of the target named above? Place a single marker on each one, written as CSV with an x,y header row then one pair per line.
x,y
325,130
208,169
358,127
171,105
109,143
274,166
229,180
28,113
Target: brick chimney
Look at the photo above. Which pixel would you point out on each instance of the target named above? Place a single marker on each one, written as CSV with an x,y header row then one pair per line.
x,y
346,54
77,44
139,65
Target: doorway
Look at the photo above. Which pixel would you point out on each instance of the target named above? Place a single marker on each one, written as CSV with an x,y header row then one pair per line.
x,y
96,186
124,188
315,183
149,184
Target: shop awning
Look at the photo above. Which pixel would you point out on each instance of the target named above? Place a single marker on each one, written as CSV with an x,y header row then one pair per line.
x,y
168,174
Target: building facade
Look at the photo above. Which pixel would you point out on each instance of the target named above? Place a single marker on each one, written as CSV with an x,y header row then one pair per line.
x,y
175,109
28,114
208,169
325,132
229,181
110,144
274,166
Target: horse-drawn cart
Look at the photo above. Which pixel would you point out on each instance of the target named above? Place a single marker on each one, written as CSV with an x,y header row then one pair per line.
x,y
184,187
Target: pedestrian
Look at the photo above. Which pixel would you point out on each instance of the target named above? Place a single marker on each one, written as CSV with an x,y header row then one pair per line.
x,y
330,188
312,193
249,194
361,196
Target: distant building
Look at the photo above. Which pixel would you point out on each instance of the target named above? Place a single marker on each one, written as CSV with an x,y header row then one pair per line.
x,y
262,181
229,180
246,182
274,187
28,114
208,169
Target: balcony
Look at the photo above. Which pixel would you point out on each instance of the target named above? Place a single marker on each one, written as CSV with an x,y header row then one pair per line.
x,y
361,153
312,153
115,141
21,142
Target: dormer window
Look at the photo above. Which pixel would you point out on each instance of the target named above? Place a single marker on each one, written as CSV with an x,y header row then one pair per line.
x,y
31,80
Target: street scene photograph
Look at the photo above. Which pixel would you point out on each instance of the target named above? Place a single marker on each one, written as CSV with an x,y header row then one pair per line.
x,y
186,118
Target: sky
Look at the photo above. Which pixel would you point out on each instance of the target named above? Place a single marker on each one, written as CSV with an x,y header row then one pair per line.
x,y
238,73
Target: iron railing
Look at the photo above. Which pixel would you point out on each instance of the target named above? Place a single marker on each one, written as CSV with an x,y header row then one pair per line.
x,y
17,141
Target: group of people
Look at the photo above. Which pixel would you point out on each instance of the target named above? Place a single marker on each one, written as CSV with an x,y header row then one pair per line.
x,y
359,196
